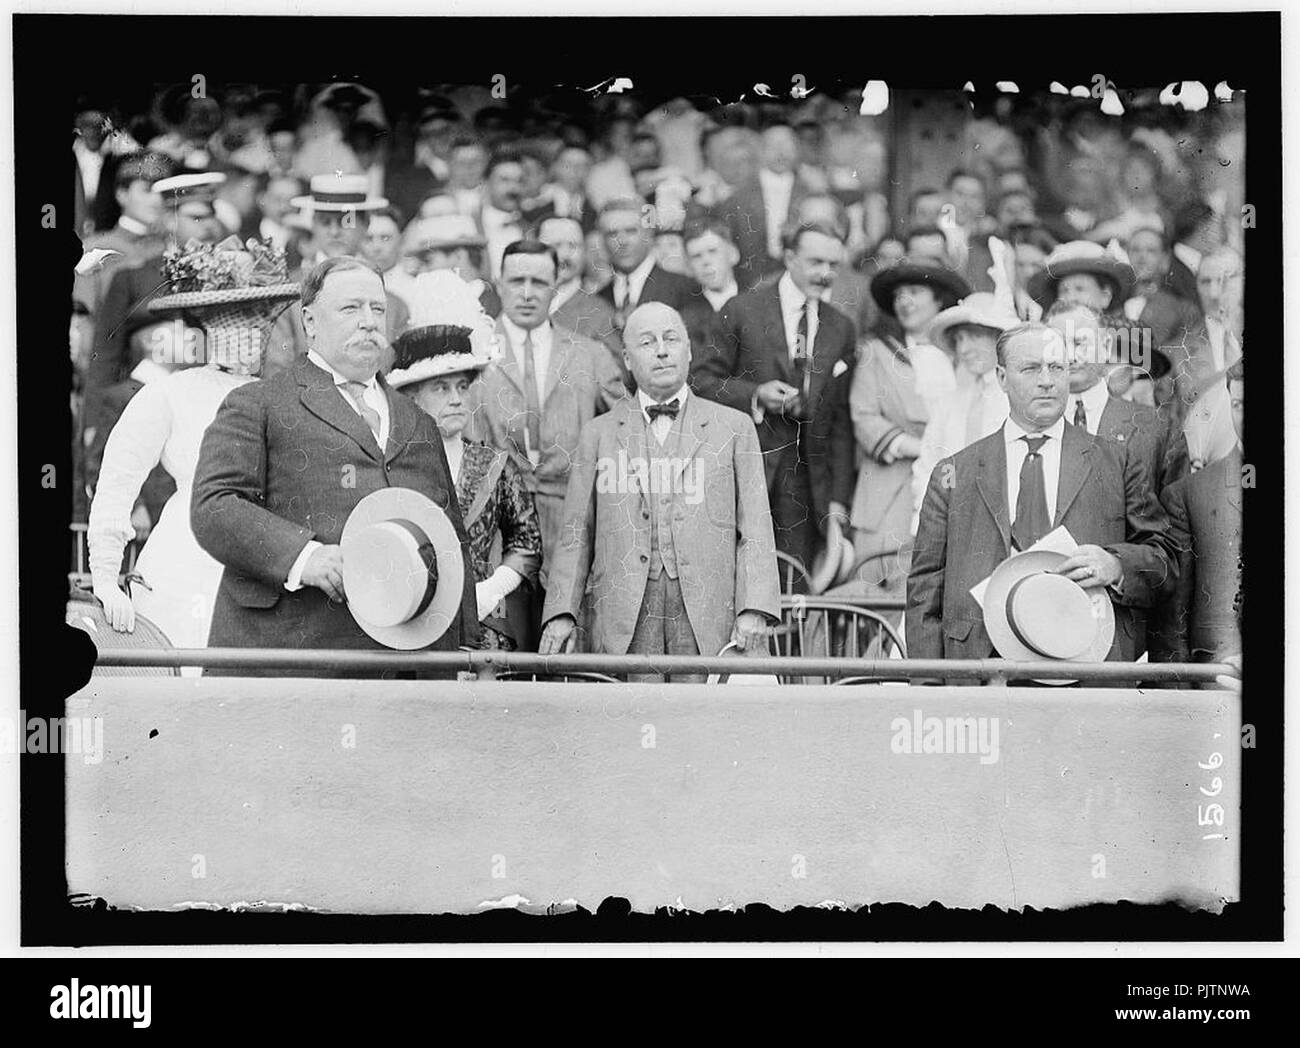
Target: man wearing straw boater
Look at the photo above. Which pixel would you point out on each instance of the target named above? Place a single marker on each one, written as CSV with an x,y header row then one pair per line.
x,y
327,497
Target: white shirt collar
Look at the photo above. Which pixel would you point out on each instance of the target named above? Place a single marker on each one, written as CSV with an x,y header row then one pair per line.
x,y
646,400
718,299
637,277
771,178
792,299
1012,431
1189,256
541,334
339,379
132,225
1094,400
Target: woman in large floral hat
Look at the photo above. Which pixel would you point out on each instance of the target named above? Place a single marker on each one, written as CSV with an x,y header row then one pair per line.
x,y
449,341
231,292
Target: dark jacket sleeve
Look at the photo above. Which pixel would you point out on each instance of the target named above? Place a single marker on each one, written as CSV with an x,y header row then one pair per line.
x,y
1147,555
715,366
226,509
925,579
1168,629
830,460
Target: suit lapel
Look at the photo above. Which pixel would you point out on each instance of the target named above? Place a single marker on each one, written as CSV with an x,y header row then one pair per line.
x,y
694,432
323,399
1076,463
506,363
991,479
401,421
774,322
631,439
562,349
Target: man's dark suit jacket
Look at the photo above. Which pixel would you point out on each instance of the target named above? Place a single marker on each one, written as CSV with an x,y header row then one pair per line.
x,y
745,216
1199,622
123,312
1103,499
284,461
750,349
1170,318
672,289
1158,445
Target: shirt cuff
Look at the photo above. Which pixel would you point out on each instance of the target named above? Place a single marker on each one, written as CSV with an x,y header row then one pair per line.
x,y
755,409
294,581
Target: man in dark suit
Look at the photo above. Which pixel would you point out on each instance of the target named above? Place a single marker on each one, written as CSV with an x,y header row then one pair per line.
x,y
757,211
1154,304
628,228
760,363
1094,348
993,499
187,215
287,458
1201,621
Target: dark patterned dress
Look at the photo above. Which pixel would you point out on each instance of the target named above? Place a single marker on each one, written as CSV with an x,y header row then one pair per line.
x,y
502,525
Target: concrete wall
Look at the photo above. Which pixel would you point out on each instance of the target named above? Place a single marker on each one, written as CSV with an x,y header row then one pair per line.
x,y
417,797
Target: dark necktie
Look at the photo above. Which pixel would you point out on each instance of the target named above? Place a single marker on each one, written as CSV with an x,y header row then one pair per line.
x,y
801,347
1080,414
655,410
1032,518
532,402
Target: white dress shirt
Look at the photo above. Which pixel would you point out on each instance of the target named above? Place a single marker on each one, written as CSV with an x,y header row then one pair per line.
x,y
718,299
777,192
1017,449
543,340
661,425
1224,349
792,307
1094,400
375,399
628,286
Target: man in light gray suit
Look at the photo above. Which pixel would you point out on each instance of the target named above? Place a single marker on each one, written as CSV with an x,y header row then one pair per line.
x,y
666,520
548,383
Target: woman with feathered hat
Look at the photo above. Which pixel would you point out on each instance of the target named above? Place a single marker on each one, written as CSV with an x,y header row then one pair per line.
x,y
232,293
449,341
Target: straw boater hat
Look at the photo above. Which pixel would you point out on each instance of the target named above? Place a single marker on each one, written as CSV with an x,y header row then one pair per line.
x,y
928,272
982,308
1107,264
402,568
183,189
449,331
233,291
833,563
339,193
445,231
1031,613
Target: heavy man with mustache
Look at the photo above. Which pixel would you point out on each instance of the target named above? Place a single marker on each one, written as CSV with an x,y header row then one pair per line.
x,y
287,458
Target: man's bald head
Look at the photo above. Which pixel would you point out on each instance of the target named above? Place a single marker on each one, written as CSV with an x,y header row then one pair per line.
x,y
657,349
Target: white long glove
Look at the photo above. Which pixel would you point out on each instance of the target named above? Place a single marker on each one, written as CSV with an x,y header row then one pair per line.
x,y
118,609
494,589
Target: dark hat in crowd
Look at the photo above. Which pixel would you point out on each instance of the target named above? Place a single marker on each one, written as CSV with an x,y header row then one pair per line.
x,y
945,282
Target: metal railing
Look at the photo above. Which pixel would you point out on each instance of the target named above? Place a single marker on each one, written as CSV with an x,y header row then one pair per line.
x,y
484,665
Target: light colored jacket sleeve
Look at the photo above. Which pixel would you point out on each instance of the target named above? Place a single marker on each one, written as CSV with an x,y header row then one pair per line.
x,y
758,587
874,431
134,448
567,577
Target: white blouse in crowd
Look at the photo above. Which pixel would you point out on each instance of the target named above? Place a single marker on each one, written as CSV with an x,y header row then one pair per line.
x,y
163,424
975,409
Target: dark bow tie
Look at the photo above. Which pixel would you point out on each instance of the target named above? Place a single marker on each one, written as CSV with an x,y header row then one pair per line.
x,y
670,409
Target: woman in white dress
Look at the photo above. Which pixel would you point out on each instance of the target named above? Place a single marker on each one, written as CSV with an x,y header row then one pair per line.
x,y
232,292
